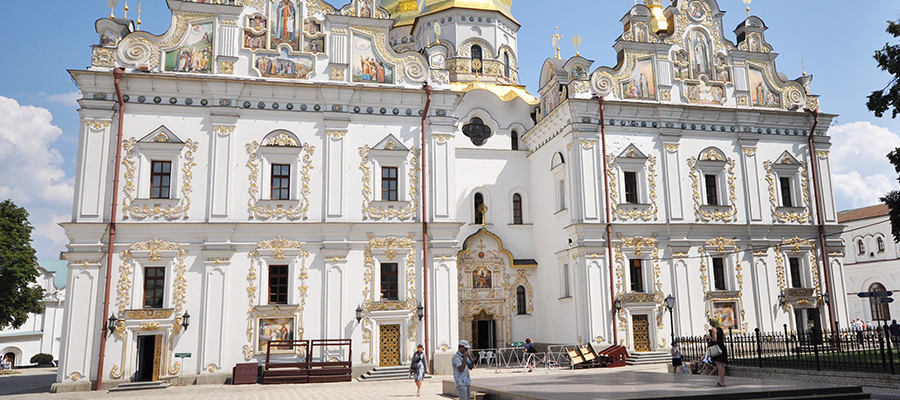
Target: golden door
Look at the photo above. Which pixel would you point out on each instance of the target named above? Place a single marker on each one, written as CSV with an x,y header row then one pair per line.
x,y
390,346
641,327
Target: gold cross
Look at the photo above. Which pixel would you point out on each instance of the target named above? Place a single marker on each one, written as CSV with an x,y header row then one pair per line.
x,y
556,39
747,2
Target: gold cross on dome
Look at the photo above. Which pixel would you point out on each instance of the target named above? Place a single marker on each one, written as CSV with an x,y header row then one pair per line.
x,y
556,37
747,2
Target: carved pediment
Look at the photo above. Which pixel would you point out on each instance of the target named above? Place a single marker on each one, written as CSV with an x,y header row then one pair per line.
x,y
161,135
391,143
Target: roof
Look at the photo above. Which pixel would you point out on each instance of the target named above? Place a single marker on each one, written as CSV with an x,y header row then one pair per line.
x,y
880,210
60,267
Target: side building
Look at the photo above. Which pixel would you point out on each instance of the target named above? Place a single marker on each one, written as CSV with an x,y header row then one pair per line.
x,y
871,264
377,173
41,333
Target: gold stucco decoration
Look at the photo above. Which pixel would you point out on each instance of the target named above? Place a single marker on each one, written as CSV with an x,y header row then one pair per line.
x,y
180,210
622,211
390,245
298,211
637,245
371,211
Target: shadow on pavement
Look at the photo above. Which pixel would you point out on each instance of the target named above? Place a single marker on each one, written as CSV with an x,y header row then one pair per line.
x,y
27,382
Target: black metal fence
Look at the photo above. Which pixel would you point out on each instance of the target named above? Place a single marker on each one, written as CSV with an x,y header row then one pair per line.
x,y
871,350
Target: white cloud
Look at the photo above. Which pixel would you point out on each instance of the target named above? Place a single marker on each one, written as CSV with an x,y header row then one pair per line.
x,y
69,99
861,172
33,175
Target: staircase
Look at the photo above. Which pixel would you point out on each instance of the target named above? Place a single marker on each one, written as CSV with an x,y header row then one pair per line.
x,y
140,386
646,358
387,374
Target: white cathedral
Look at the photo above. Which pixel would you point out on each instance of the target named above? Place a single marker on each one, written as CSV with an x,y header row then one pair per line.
x,y
285,169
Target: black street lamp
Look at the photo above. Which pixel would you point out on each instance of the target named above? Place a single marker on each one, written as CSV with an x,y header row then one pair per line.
x,y
670,304
420,312
618,305
111,323
359,311
186,320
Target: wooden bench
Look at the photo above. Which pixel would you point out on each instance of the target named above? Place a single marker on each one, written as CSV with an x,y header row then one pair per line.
x,y
307,370
613,356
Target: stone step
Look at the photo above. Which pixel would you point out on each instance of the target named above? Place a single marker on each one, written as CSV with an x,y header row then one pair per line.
x,y
387,374
140,386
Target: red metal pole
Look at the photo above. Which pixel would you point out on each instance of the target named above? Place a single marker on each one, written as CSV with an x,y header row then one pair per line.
x,y
425,262
814,166
612,273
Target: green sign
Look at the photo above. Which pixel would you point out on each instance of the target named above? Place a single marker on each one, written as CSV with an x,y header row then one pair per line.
x,y
183,355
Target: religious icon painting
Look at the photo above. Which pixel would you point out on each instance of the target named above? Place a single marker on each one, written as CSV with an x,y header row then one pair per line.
x,y
278,328
364,8
706,93
285,24
315,45
481,278
696,11
195,53
726,312
579,72
255,23
108,38
367,65
641,86
760,93
312,27
438,61
700,50
284,66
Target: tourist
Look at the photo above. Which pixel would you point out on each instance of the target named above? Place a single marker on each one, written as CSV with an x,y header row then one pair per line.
x,y
418,368
530,353
717,338
4,365
895,333
461,366
676,358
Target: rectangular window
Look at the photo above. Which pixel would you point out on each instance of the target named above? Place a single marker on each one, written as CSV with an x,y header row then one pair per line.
x,y
566,290
278,284
389,184
160,179
281,182
636,274
517,209
389,281
631,188
562,194
796,278
718,265
712,190
154,286
786,200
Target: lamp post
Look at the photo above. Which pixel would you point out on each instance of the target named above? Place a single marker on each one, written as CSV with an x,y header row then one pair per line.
x,y
186,320
111,323
670,304
420,312
358,313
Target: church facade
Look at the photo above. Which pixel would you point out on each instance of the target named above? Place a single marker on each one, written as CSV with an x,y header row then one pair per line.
x,y
290,170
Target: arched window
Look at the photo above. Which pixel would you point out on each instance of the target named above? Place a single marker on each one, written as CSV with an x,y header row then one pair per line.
x,y
880,311
477,131
880,245
517,209
477,62
479,201
520,301
514,140
506,65
861,247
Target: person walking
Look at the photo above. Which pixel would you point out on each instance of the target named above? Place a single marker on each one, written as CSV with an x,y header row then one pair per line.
x,y
4,364
418,368
461,366
530,354
895,333
676,358
717,338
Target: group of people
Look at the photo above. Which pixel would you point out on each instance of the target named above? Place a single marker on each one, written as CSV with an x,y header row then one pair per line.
x,y
715,358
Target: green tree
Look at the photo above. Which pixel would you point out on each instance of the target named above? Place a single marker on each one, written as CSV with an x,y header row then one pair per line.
x,y
18,268
888,60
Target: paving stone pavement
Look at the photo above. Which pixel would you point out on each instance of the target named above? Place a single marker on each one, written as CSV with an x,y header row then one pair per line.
x,y
431,389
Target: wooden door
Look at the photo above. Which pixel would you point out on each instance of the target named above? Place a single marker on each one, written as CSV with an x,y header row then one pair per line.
x,y
389,346
641,328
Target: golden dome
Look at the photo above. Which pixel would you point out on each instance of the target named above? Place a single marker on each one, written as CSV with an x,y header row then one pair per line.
x,y
501,6
404,12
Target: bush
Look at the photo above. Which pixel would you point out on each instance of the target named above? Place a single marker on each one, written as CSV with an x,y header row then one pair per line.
x,y
42,359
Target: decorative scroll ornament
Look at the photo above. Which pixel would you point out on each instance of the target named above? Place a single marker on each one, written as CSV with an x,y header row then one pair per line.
x,y
723,247
103,57
266,212
796,245
135,211
621,211
380,212
141,48
703,212
278,245
412,68
391,245
637,246
779,214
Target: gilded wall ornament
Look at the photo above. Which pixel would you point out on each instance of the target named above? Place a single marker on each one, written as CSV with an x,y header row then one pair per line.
x,y
380,212
622,212
135,211
702,212
103,57
293,212
796,246
637,245
226,67
223,130
143,48
779,214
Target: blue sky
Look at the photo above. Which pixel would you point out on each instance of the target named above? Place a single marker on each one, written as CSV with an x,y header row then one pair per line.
x,y
835,40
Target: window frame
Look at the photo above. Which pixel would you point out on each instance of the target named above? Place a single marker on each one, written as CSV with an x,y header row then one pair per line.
x,y
861,247
632,282
801,276
518,215
506,66
386,275
393,194
482,131
630,190
558,169
477,53
876,309
514,140
161,175
521,301
282,179
879,241
711,197
786,191
477,200
160,282
565,287
720,271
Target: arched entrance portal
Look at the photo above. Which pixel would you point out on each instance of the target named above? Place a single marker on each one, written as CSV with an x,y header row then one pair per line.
x,y
486,293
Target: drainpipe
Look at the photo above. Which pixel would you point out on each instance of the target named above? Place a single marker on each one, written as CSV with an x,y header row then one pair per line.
x,y
815,179
425,263
612,274
117,75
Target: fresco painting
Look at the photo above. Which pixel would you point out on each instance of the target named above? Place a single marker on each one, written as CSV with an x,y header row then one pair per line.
x,y
315,45
641,85
285,26
368,67
195,55
269,329
726,313
283,66
481,278
760,93
700,49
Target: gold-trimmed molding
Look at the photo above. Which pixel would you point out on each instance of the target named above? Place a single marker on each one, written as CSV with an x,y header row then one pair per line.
x,y
803,216
131,210
253,163
713,215
373,212
637,245
621,212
